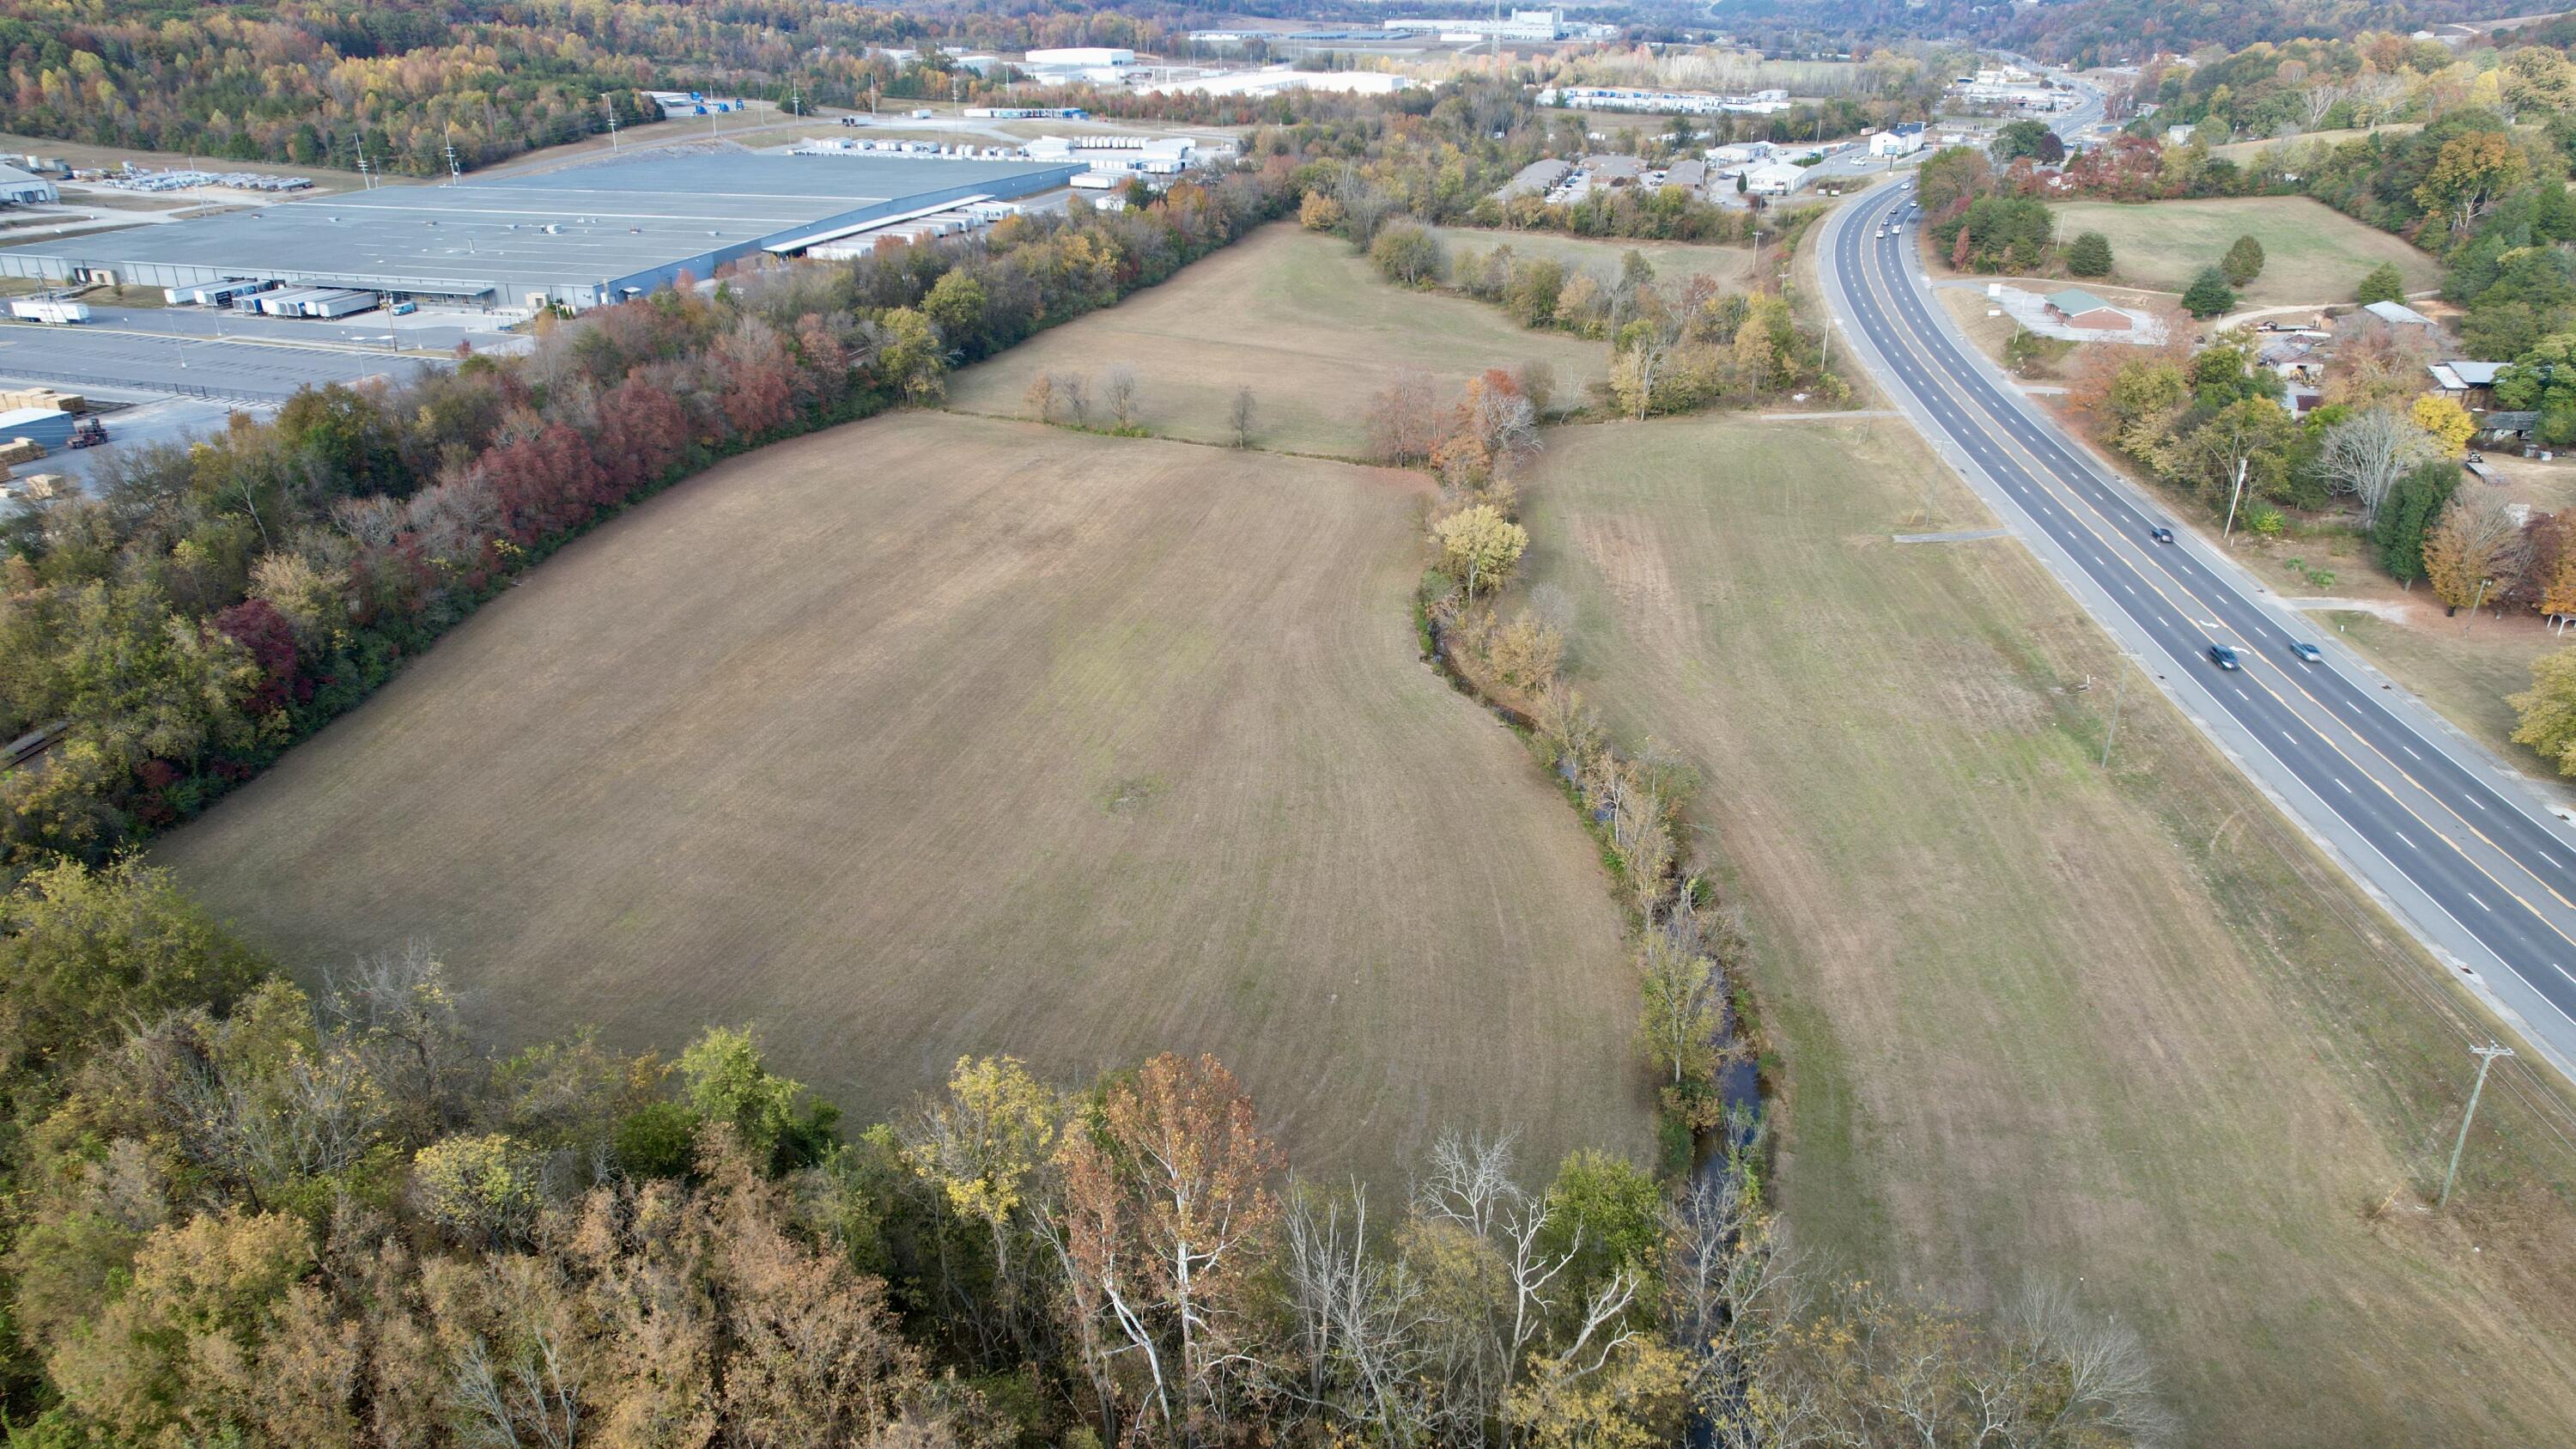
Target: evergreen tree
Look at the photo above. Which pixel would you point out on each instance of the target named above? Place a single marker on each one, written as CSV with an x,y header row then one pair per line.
x,y
2384,284
2244,261
2411,506
2090,255
2209,295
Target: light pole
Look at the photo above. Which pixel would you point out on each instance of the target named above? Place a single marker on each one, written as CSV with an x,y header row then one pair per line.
x,y
2486,1058
2237,492
2473,606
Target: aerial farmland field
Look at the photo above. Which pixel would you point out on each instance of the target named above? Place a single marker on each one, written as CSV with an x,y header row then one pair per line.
x,y
935,734
1294,316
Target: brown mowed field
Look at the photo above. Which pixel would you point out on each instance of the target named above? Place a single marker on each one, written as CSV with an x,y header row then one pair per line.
x,y
2122,1031
933,735
1293,315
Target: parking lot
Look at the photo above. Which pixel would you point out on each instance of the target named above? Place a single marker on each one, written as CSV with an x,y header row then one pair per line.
x,y
423,331
224,369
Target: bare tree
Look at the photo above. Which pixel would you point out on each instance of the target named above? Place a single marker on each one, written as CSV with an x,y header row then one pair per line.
x,y
2365,455
1118,392
1040,398
1073,389
1362,1322
1238,417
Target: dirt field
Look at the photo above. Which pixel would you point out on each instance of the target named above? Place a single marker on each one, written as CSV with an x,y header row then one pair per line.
x,y
1673,261
2313,254
1296,317
2121,1030
935,735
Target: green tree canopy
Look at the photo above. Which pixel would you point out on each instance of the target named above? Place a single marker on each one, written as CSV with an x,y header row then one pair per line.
x,y
2209,294
2089,255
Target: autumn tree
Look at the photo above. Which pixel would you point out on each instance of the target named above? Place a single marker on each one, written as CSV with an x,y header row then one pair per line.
x,y
1404,419
1679,1018
1479,546
2545,714
2445,421
1407,254
1165,1228
985,1146
2473,548
2469,174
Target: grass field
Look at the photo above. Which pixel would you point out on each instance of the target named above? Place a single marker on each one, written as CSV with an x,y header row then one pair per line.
x,y
2313,254
1731,266
2244,151
1296,317
2124,1030
933,735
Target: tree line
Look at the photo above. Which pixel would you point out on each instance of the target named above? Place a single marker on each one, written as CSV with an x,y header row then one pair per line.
x,y
244,1212
216,602
311,82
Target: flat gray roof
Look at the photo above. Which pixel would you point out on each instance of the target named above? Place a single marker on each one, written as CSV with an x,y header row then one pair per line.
x,y
615,220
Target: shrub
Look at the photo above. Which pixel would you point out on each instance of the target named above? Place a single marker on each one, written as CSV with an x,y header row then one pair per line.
x,y
2243,262
2384,284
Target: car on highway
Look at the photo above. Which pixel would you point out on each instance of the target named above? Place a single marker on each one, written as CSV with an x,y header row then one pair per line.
x,y
2308,653
2160,534
2224,656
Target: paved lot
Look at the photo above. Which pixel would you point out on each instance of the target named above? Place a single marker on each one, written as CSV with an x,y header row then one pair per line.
x,y
422,331
182,366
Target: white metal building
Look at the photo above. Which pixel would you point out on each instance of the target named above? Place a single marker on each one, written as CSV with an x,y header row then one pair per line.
x,y
17,188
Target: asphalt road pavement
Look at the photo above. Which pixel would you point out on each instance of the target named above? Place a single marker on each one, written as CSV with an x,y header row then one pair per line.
x,y
2457,846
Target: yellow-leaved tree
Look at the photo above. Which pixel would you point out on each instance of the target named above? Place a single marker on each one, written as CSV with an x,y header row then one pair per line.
x,y
2547,711
2471,551
1478,546
2448,422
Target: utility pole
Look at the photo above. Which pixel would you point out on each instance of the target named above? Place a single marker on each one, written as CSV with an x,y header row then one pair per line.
x,y
2486,1058
2474,605
2233,495
612,119
455,172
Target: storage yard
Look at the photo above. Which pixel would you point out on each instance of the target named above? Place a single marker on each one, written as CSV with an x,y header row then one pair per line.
x,y
575,239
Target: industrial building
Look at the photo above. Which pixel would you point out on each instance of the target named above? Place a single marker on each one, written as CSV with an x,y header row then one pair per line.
x,y
20,189
576,238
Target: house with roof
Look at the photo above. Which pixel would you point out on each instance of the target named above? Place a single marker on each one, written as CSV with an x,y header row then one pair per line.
x,y
2465,381
2079,308
2398,314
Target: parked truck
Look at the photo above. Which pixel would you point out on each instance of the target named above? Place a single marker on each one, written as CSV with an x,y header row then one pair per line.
x,y
47,309
88,433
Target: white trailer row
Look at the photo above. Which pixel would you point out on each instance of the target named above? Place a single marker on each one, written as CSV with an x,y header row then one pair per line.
x,y
305,302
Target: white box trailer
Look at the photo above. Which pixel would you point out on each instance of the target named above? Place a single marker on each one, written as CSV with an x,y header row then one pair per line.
x,y
286,302
46,309
339,304
1098,181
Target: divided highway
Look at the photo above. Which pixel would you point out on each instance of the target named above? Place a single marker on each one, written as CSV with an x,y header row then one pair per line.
x,y
2462,851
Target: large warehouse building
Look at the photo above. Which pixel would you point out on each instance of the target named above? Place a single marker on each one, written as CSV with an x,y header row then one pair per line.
x,y
577,238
